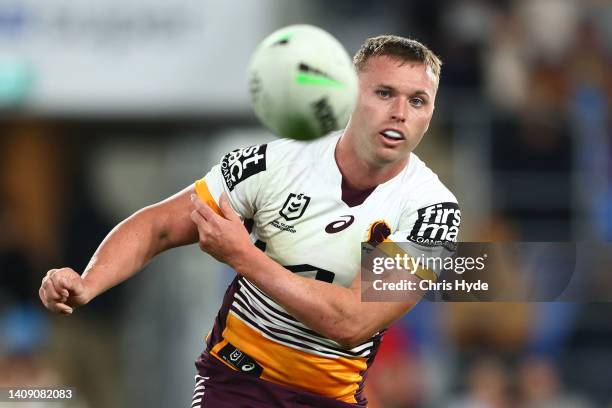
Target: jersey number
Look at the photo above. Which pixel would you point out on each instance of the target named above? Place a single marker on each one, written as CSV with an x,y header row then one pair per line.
x,y
321,274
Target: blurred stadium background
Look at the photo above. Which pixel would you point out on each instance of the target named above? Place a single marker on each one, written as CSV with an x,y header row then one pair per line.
x,y
106,106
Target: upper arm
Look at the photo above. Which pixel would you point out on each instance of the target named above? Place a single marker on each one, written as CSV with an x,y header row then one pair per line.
x,y
240,175
172,218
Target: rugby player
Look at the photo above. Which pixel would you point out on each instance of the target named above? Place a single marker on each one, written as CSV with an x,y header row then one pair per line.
x,y
292,330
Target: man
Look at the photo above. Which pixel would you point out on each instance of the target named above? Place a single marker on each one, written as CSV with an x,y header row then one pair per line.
x,y
292,330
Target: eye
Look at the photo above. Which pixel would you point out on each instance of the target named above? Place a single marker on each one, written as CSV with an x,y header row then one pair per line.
x,y
383,93
417,102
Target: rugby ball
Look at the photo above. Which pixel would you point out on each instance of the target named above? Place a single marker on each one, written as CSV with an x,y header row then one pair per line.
x,y
302,82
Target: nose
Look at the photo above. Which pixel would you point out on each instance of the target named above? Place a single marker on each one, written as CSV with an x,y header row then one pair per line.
x,y
398,110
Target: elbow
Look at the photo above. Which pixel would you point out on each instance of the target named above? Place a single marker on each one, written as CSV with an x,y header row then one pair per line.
x,y
349,336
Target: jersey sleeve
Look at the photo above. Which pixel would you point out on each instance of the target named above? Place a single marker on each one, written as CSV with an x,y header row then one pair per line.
x,y
239,174
430,227
433,225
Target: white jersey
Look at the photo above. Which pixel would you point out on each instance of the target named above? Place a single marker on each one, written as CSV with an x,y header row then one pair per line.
x,y
303,217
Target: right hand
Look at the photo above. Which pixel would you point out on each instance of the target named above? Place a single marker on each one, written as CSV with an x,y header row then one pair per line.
x,y
63,290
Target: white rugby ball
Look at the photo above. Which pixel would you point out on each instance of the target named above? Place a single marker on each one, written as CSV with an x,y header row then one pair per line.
x,y
302,82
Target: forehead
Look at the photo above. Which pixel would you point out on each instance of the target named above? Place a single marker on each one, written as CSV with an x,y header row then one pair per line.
x,y
403,75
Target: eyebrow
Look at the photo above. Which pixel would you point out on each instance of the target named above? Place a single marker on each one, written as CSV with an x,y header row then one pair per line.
x,y
422,92
418,92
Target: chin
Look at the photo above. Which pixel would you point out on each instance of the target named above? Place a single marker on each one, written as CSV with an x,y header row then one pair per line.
x,y
385,158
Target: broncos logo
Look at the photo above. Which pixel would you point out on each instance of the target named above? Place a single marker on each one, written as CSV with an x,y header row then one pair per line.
x,y
379,231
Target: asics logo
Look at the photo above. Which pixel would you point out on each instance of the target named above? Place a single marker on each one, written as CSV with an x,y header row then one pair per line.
x,y
340,225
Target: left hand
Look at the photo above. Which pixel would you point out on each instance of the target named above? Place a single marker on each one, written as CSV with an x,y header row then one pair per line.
x,y
223,237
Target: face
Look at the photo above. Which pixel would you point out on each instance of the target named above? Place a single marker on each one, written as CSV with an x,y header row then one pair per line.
x,y
393,110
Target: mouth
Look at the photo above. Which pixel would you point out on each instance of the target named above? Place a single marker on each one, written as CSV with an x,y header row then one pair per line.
x,y
392,136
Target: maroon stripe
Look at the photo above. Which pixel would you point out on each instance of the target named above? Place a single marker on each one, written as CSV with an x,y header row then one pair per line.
x,y
268,330
198,392
252,309
259,297
221,319
279,313
247,319
359,395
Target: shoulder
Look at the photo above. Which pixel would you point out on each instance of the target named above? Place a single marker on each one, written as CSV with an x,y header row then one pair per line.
x,y
423,186
285,152
431,214
273,160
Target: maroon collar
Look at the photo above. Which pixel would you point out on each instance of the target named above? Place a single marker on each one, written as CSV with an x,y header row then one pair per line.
x,y
352,196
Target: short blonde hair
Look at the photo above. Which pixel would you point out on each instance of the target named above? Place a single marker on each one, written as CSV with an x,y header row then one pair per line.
x,y
401,48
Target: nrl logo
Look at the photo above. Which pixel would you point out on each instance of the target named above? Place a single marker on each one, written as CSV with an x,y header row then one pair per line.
x,y
294,207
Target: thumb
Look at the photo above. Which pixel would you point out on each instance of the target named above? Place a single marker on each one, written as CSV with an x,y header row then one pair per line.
x,y
226,208
73,283
79,294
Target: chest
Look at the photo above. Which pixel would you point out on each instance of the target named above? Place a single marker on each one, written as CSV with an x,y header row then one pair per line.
x,y
307,228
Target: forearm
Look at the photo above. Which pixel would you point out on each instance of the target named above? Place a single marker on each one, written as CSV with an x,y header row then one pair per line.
x,y
331,310
128,248
334,311
124,251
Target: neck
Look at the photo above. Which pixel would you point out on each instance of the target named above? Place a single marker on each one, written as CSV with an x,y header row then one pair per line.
x,y
360,173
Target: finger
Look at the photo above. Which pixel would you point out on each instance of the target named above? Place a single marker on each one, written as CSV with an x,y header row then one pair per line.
x,y
202,208
54,276
208,213
71,284
226,208
198,219
43,297
51,304
50,289
63,308
204,227
59,287
64,285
